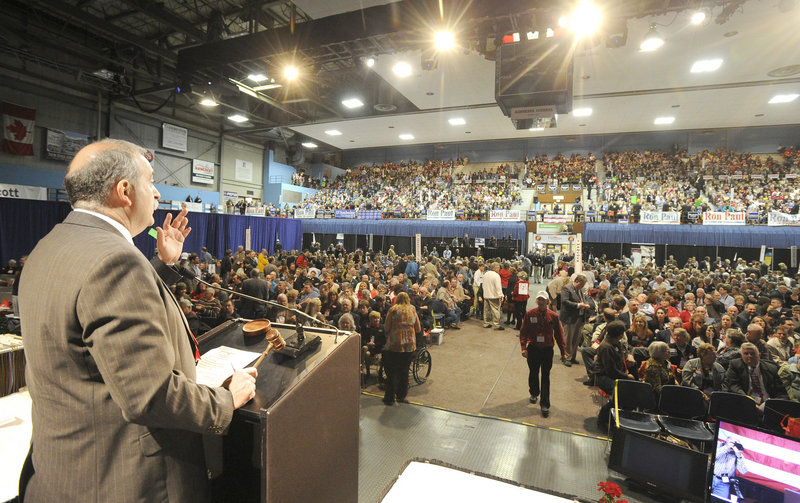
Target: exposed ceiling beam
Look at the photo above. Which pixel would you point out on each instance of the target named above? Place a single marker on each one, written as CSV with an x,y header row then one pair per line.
x,y
407,16
100,26
158,11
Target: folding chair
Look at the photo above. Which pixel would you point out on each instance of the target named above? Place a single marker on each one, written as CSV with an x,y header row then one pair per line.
x,y
681,407
630,399
775,409
734,406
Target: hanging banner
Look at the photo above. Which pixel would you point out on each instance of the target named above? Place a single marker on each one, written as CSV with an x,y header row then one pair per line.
x,y
555,219
243,170
505,215
660,217
554,239
18,128
63,145
777,218
441,215
202,171
344,213
227,194
305,213
23,192
724,217
578,254
545,228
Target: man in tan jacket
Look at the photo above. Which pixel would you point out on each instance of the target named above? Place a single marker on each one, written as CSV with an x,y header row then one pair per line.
x,y
117,414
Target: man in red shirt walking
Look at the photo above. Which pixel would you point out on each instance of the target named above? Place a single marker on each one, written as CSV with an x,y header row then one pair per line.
x,y
540,331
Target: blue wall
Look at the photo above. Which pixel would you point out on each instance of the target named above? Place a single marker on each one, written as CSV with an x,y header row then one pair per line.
x,y
276,169
758,140
36,177
273,192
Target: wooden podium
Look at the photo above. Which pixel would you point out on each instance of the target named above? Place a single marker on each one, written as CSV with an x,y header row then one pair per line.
x,y
297,440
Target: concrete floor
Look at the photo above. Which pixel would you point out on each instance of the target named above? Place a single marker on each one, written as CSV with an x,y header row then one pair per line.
x,y
481,371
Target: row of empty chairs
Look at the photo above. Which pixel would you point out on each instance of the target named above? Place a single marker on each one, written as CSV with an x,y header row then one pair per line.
x,y
683,411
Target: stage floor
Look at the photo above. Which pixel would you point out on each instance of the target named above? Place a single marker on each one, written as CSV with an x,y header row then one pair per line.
x,y
555,462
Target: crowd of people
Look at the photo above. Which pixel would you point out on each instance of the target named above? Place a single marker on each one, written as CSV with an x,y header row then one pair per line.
x,y
698,315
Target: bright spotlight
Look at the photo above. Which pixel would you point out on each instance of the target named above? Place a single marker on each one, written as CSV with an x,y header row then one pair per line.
x,y
563,21
402,69
444,40
208,102
698,17
239,118
291,73
257,77
353,103
652,40
586,19
370,62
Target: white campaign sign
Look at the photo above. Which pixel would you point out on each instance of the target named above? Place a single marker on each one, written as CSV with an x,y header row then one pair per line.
x,y
724,217
202,171
23,192
778,218
660,217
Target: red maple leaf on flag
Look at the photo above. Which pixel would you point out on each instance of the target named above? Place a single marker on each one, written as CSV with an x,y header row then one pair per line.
x,y
18,129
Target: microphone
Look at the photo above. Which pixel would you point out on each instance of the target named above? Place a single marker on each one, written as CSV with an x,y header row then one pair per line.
x,y
275,341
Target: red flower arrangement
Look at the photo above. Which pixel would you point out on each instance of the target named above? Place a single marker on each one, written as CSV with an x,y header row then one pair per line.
x,y
612,491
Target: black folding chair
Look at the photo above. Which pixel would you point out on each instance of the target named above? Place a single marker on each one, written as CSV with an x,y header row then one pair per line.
x,y
775,409
631,399
735,407
682,409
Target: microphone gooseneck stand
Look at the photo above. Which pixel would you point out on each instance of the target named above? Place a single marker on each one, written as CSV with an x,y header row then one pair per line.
x,y
295,345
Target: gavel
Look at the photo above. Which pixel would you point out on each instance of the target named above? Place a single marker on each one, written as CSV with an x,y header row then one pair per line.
x,y
275,341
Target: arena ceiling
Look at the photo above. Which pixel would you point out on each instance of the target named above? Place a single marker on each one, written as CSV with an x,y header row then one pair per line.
x,y
136,52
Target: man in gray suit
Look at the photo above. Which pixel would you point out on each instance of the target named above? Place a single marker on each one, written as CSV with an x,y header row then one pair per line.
x,y
117,414
573,315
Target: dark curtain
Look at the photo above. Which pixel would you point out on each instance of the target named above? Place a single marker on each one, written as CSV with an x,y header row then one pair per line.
x,y
24,222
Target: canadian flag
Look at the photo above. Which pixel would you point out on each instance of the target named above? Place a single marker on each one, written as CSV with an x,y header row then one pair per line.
x,y
18,128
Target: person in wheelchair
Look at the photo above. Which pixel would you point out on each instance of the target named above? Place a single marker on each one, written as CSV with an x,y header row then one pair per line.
x,y
373,337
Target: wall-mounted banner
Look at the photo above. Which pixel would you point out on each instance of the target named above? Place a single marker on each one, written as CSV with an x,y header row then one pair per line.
x,y
555,239
202,171
554,219
227,194
505,215
23,192
174,137
196,207
441,215
369,215
256,211
305,213
63,145
660,217
243,171
724,217
546,228
778,218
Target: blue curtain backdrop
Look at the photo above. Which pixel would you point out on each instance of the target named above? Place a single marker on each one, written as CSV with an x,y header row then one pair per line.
x,y
24,222
742,236
427,228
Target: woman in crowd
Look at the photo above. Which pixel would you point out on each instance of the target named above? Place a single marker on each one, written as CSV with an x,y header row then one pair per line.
x,y
512,283
330,308
688,311
314,308
639,338
401,327
709,336
703,372
660,321
657,369
519,297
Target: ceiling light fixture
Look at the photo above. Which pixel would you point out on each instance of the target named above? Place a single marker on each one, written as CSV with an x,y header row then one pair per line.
x,y
370,62
652,40
267,87
536,129
456,121
406,136
660,121
208,102
238,118
291,72
353,103
444,40
333,132
783,98
698,17
308,144
582,112
402,69
586,19
257,77
706,65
